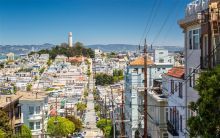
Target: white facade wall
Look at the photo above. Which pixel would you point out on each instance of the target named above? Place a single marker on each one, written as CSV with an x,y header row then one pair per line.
x,y
37,118
175,100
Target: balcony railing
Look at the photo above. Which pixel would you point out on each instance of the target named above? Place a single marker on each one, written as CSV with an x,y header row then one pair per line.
x,y
196,6
171,129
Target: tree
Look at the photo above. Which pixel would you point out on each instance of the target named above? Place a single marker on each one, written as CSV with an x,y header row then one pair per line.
x,y
86,93
29,86
4,124
2,134
49,62
25,132
104,79
41,70
207,121
60,127
102,123
76,121
81,107
77,50
106,126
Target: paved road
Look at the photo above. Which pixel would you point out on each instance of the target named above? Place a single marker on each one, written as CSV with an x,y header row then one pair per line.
x,y
90,118
90,115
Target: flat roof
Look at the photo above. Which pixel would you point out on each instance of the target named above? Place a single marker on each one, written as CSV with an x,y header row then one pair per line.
x,y
7,99
32,95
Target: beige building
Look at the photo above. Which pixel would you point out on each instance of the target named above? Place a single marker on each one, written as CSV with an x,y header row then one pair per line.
x,y
10,56
10,105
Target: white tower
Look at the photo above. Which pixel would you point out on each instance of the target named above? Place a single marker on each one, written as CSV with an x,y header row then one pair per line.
x,y
70,39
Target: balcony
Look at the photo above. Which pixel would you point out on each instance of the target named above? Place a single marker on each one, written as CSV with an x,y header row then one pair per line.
x,y
190,20
35,117
171,129
193,12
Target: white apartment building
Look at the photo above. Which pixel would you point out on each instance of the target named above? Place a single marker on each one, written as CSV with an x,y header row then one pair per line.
x,y
173,87
34,112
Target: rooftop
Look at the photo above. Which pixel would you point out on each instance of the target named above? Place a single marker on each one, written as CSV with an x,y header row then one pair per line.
x,y
7,99
177,72
32,95
140,61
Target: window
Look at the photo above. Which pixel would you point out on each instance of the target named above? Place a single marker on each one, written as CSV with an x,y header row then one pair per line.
x,y
37,125
167,113
160,52
135,70
193,76
161,60
180,89
181,122
172,86
194,38
31,110
177,120
165,135
171,115
142,70
38,110
31,125
176,87
158,69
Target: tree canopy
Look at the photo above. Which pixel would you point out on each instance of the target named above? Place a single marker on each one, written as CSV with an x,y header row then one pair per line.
x,y
77,50
103,79
4,124
207,121
106,126
25,132
60,127
76,121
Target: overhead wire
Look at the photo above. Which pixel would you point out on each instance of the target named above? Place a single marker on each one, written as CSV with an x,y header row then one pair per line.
x,y
148,21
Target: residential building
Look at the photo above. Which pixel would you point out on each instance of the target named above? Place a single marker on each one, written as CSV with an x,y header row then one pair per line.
x,y
173,87
201,29
10,105
10,56
157,102
134,79
34,108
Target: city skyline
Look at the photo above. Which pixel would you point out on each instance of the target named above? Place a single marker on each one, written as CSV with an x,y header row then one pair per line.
x,y
91,22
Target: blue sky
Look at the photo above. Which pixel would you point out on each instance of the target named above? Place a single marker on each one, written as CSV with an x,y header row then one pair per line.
x,y
90,21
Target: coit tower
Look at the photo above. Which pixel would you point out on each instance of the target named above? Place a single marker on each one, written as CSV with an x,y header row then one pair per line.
x,y
70,39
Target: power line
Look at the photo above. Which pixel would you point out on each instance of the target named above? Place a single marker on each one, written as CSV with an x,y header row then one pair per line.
x,y
165,21
145,29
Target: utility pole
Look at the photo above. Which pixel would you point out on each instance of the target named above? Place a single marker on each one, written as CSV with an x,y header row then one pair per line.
x,y
145,90
113,118
105,111
122,114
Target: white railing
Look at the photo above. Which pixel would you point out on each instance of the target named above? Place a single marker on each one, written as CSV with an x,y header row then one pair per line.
x,y
196,6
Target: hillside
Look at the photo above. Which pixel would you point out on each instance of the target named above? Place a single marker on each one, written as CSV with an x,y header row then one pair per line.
x,y
127,47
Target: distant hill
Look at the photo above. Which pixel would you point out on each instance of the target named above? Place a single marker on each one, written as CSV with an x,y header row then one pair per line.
x,y
23,49
127,47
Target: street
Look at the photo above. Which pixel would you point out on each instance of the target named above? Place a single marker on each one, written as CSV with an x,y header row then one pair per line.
x,y
90,116
90,120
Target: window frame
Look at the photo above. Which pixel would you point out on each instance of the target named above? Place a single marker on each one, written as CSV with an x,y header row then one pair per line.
x,y
36,109
37,125
180,90
31,112
193,34
31,126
